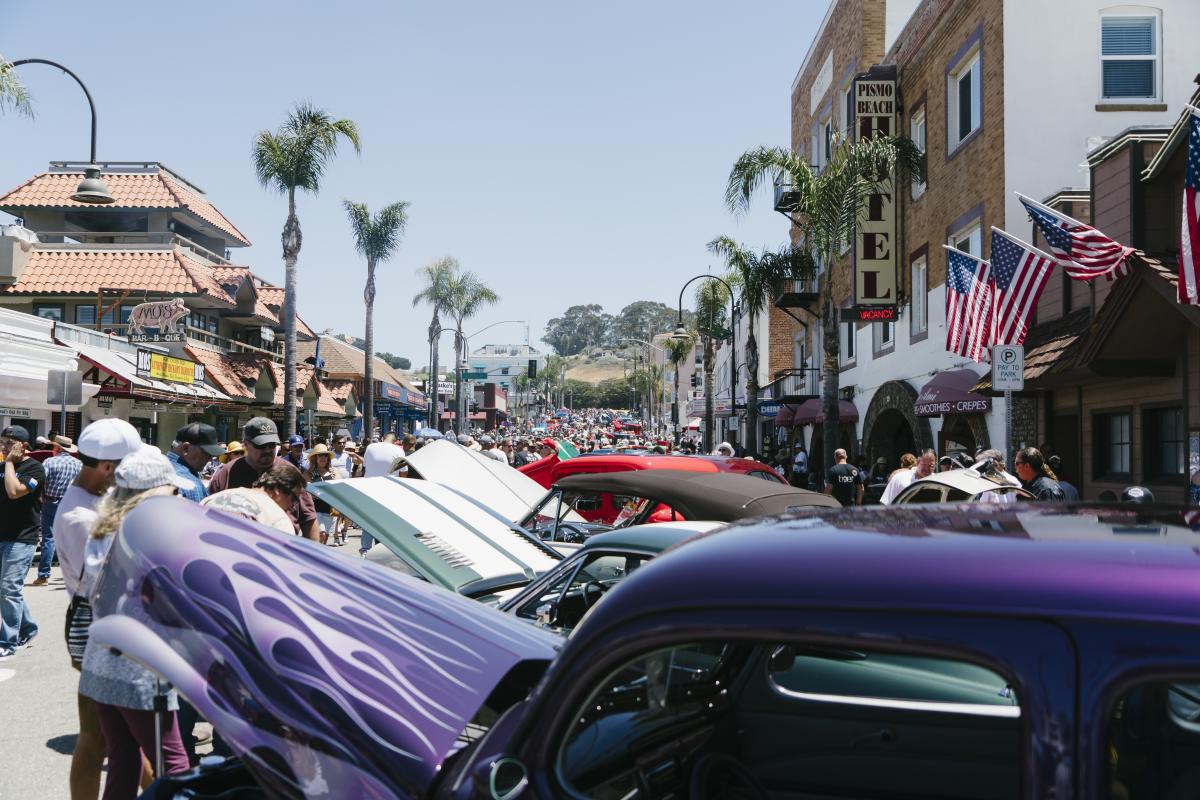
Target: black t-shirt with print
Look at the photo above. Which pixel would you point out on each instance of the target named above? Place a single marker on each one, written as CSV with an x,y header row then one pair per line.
x,y
21,519
844,480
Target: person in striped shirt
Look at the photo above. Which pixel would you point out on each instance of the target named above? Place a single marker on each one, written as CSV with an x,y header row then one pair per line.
x,y
62,469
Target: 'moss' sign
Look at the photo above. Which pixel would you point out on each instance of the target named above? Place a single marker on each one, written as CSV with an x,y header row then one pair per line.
x,y
875,114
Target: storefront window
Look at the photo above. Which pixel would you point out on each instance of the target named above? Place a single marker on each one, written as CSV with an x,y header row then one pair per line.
x,y
1165,440
54,311
1111,445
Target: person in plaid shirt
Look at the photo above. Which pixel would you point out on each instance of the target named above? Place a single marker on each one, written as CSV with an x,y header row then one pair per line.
x,y
61,471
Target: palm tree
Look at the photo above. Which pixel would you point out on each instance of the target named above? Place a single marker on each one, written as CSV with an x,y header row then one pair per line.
x,y
438,280
375,238
711,299
760,277
826,206
296,157
678,351
468,294
13,94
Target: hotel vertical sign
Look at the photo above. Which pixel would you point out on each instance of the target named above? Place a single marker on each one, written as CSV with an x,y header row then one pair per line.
x,y
876,113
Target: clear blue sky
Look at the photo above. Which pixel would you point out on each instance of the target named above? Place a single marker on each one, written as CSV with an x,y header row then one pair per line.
x,y
567,152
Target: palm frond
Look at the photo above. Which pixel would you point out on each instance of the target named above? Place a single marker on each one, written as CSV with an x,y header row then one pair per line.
x,y
762,167
376,237
297,155
437,279
13,94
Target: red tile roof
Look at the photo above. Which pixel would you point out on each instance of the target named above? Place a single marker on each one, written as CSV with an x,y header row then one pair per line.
x,y
147,190
339,390
81,271
219,370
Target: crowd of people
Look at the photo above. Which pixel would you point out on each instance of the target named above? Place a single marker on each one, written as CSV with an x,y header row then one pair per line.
x,y
73,502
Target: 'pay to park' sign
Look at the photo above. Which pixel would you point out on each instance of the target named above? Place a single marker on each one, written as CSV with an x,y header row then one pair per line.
x,y
875,114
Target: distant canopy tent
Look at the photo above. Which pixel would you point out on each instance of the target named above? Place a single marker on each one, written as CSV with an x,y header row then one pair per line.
x,y
809,412
693,424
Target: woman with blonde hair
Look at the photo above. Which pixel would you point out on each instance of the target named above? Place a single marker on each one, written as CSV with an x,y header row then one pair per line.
x,y
320,468
123,691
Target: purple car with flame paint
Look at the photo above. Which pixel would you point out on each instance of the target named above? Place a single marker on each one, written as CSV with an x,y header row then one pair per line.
x,y
918,652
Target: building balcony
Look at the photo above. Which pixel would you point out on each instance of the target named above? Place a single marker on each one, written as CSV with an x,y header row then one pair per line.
x,y
801,295
794,385
125,240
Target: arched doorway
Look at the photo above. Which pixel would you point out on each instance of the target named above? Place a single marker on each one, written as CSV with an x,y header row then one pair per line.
x,y
891,427
816,454
965,433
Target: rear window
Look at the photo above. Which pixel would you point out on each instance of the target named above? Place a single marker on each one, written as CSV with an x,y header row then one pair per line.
x,y
1153,745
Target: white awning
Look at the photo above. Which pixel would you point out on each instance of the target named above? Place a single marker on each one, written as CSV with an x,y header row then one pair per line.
x,y
123,367
27,353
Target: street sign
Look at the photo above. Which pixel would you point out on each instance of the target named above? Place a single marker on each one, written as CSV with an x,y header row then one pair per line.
x,y
475,376
1008,368
64,387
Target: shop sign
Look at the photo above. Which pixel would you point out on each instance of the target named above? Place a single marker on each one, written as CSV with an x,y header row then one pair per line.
x,y
979,406
392,392
769,410
103,401
15,413
168,368
875,114
162,316
446,387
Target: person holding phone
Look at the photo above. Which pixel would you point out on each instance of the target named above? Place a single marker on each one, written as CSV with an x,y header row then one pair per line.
x,y
20,525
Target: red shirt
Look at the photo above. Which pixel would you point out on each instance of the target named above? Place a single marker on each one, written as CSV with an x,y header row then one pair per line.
x,y
238,474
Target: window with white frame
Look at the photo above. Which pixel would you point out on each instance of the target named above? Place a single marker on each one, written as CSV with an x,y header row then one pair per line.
x,y
848,333
969,239
1130,57
916,132
828,137
920,296
964,107
883,335
847,105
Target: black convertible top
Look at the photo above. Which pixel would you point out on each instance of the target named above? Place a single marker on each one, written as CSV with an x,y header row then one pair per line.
x,y
717,496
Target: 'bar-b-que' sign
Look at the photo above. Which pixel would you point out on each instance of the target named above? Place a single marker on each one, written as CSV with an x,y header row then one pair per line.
x,y
876,114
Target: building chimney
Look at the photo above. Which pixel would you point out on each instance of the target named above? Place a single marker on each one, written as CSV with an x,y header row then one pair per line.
x,y
16,243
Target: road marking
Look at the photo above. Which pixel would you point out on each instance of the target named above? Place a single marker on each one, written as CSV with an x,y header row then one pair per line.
x,y
5,674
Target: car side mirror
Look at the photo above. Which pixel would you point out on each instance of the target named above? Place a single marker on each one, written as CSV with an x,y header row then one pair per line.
x,y
782,658
547,613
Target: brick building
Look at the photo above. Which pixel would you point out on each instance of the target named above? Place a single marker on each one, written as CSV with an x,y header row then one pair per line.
x,y
999,105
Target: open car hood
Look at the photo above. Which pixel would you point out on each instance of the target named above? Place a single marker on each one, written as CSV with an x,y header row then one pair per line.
x,y
446,537
508,492
329,676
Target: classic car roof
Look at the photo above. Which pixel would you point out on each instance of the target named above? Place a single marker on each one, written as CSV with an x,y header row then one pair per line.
x,y
966,480
654,537
721,496
250,625
1053,561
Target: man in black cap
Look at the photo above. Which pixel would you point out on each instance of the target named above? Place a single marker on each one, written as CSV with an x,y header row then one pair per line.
x,y
194,445
261,438
20,524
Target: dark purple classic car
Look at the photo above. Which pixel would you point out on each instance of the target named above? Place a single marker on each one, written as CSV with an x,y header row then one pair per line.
x,y
919,652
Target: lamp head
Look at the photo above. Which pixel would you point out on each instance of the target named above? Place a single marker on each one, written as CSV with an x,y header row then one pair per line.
x,y
92,189
680,333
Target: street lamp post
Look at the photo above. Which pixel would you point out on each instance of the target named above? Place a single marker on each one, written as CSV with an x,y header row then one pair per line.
x,y
681,333
91,189
649,381
461,403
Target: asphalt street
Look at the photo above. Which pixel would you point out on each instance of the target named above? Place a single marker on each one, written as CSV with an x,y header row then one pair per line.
x,y
38,721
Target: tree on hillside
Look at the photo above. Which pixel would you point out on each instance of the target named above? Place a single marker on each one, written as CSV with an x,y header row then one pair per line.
x,y
828,204
643,319
579,328
395,362
296,157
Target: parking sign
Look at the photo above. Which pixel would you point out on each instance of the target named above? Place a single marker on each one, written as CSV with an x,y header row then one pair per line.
x,y
1008,368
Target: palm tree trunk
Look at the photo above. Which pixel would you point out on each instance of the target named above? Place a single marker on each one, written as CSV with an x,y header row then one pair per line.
x,y
675,404
292,240
710,419
751,389
369,360
829,389
434,374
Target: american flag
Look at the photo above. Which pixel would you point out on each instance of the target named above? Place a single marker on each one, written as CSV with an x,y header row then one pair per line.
x,y
1019,272
969,305
1081,250
1189,234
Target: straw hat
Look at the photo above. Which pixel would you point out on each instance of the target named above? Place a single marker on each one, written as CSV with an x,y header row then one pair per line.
x,y
319,450
234,448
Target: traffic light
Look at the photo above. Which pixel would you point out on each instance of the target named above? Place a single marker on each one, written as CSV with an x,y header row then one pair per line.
x,y
532,371
695,380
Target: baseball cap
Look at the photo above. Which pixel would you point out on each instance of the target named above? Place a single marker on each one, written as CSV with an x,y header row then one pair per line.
x,y
260,431
203,436
485,439
148,468
109,439
295,439
548,442
16,432
463,438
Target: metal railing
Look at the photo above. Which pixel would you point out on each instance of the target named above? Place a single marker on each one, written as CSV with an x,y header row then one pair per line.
x,y
125,239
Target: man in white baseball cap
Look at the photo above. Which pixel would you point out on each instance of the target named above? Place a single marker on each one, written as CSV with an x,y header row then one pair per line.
x,y
101,447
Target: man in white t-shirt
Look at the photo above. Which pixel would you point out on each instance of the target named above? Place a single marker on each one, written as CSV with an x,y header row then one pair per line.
x,y
487,448
101,445
343,460
903,478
